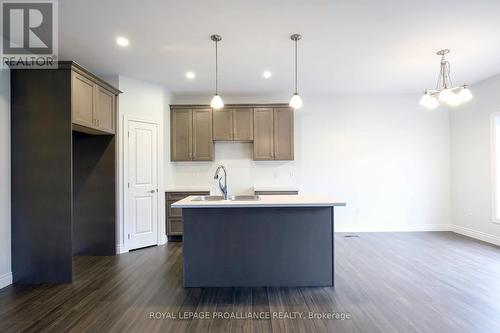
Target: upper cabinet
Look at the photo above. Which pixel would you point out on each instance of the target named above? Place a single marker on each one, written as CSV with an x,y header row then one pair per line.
x,y
83,100
263,142
233,124
93,104
105,110
203,145
181,129
223,124
191,135
243,124
194,128
283,133
273,134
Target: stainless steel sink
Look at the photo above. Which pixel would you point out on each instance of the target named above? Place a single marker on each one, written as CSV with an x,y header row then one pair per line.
x,y
208,198
244,198
231,198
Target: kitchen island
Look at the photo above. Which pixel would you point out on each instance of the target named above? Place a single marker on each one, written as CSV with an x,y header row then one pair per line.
x,y
285,240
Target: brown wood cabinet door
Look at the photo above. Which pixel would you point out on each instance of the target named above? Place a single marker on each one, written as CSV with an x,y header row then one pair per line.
x,y
283,134
263,145
203,145
181,129
105,111
243,124
83,102
222,124
174,227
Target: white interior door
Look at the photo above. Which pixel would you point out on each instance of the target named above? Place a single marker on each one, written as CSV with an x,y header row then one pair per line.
x,y
142,208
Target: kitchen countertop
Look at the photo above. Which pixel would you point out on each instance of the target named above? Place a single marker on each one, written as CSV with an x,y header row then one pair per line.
x,y
265,201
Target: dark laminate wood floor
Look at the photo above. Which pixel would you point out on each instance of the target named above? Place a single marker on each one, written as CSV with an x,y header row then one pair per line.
x,y
387,282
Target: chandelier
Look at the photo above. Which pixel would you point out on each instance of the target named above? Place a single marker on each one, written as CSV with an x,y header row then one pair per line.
x,y
445,92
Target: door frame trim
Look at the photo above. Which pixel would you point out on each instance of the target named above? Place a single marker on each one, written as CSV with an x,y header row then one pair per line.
x,y
161,233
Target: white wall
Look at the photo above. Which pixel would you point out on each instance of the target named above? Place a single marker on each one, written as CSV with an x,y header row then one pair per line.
x,y
5,235
471,180
141,100
384,155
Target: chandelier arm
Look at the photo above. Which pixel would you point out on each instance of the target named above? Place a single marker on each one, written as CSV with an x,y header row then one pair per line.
x,y
440,78
448,67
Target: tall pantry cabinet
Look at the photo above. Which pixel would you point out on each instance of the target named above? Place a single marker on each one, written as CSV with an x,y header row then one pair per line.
x,y
63,124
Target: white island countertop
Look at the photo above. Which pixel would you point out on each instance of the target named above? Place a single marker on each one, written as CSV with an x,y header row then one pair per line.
x,y
264,201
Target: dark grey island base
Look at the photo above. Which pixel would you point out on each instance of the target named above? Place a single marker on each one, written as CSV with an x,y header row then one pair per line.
x,y
258,246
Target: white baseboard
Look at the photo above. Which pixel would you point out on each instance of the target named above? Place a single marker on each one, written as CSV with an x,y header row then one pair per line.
x,y
163,240
5,280
421,227
492,239
120,248
392,228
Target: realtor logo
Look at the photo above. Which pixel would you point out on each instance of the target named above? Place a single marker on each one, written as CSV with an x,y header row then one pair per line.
x,y
29,33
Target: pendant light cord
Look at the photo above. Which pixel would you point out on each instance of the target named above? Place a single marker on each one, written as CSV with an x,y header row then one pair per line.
x,y
296,90
216,69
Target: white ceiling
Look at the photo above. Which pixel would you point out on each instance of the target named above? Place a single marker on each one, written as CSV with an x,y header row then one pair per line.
x,y
348,46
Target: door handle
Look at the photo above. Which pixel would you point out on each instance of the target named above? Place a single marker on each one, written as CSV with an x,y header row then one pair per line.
x,y
152,191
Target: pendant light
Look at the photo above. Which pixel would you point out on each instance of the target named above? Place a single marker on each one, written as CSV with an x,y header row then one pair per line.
x,y
296,101
445,92
217,102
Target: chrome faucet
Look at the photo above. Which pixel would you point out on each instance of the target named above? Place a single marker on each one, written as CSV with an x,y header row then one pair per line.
x,y
216,176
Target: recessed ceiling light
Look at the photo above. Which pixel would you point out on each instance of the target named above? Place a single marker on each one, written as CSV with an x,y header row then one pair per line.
x,y
190,75
267,74
122,41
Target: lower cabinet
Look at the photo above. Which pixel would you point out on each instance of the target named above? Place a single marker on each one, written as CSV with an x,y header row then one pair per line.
x,y
174,215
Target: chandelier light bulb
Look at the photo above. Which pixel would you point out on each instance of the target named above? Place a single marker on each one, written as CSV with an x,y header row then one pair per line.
x,y
465,94
445,95
454,99
429,102
217,102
